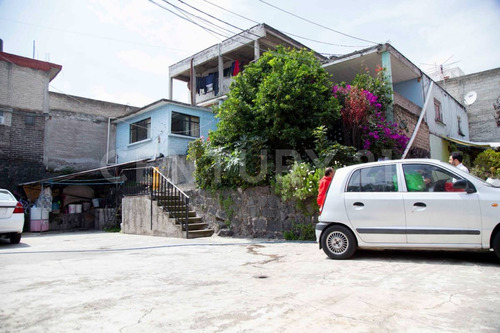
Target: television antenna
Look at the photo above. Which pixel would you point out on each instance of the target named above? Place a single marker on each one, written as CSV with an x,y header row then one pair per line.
x,y
470,98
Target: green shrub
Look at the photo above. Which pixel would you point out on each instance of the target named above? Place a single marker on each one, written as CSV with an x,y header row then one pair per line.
x,y
487,164
300,231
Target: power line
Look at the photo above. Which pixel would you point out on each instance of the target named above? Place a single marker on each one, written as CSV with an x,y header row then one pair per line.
x,y
187,19
317,24
288,33
186,13
209,15
90,35
205,28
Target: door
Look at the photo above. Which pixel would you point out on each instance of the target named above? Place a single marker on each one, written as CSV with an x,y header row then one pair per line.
x,y
436,213
374,205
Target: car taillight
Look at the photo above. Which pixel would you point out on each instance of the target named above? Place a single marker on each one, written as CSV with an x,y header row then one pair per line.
x,y
19,208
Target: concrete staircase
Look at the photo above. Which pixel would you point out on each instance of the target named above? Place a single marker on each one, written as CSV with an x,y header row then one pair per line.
x,y
173,207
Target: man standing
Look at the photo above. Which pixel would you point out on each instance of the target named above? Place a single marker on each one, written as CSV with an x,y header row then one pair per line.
x,y
323,187
456,160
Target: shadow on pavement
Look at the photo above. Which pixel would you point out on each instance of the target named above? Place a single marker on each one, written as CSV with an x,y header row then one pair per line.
x,y
431,256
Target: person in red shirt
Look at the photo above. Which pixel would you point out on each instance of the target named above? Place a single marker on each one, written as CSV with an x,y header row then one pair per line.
x,y
323,186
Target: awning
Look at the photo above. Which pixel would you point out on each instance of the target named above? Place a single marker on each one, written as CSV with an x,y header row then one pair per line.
x,y
474,144
65,179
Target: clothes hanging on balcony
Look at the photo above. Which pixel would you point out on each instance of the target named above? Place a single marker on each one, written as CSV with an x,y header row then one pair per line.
x,y
208,83
236,68
233,70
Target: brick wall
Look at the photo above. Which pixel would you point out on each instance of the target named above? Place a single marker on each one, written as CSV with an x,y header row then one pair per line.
x,y
406,113
77,132
22,87
482,126
89,106
21,151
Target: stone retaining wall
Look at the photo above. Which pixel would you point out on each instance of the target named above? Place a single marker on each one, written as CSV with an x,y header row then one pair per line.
x,y
253,212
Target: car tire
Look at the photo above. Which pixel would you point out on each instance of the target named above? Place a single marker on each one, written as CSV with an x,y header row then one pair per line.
x,y
496,244
338,242
15,238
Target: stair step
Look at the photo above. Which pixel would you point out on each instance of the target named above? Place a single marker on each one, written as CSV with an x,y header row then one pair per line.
x,y
196,226
165,197
182,214
201,233
191,219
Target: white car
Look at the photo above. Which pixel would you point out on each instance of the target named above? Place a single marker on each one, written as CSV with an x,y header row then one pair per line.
x,y
11,217
408,204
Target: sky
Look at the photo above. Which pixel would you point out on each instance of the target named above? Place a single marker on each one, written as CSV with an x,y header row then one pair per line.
x,y
120,50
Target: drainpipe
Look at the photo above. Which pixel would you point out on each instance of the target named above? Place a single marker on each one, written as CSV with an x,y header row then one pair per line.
x,y
427,99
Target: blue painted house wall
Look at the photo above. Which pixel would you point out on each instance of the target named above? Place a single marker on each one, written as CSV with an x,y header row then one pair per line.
x,y
161,139
411,90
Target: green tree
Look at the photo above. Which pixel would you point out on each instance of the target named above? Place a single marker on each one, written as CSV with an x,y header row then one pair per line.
x,y
275,103
278,101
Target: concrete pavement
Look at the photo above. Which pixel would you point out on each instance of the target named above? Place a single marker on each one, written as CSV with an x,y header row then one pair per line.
x,y
111,282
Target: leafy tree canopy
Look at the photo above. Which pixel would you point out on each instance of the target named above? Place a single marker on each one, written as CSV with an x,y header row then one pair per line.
x,y
277,101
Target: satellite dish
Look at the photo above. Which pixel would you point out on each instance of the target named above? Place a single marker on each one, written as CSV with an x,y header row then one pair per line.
x,y
470,98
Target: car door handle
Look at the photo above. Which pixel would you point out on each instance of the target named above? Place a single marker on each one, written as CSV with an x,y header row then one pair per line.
x,y
419,204
358,204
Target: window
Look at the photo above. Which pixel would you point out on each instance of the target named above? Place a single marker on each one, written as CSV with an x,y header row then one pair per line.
x,y
2,119
438,111
375,179
428,178
140,130
29,120
184,124
460,126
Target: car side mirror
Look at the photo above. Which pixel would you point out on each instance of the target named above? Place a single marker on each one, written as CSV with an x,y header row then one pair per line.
x,y
463,184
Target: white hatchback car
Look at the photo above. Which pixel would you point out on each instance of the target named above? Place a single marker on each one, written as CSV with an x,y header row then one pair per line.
x,y
11,217
410,204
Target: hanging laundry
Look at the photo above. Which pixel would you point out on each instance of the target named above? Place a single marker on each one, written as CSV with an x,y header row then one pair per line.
x,y
228,72
236,69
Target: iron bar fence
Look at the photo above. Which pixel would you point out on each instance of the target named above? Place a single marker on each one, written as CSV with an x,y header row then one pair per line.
x,y
150,181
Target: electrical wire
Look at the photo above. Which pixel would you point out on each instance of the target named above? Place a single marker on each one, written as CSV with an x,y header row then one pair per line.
x,y
209,15
190,17
187,19
317,24
90,35
288,33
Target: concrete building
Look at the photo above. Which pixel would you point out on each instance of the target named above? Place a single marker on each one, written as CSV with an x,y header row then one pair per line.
x,y
483,90
42,131
160,133
444,116
209,72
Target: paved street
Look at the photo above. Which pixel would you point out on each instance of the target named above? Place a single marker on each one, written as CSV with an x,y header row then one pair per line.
x,y
111,282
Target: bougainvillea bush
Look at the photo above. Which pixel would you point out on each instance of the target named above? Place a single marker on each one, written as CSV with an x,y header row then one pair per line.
x,y
362,112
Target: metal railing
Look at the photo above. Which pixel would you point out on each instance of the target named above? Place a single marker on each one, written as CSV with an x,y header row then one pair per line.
x,y
150,181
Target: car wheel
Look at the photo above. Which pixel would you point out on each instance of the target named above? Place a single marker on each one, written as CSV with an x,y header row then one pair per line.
x,y
338,242
15,238
496,244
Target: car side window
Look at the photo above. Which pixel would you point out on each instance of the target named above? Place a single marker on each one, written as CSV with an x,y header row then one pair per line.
x,y
373,179
429,178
